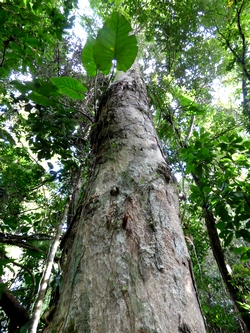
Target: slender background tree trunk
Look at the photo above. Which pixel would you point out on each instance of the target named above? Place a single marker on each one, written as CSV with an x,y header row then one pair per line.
x,y
127,268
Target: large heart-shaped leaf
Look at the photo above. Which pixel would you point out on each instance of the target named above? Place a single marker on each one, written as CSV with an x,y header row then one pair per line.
x,y
40,99
70,87
43,88
88,57
20,86
113,42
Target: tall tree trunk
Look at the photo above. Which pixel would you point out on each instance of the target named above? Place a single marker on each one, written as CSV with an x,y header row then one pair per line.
x,y
234,291
127,266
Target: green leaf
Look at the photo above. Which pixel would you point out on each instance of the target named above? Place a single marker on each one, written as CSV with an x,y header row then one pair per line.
x,y
88,57
245,234
244,257
183,152
224,234
4,135
33,42
195,189
224,138
11,222
50,165
4,71
19,86
240,250
24,230
204,152
207,189
40,99
244,306
198,170
228,239
113,42
25,328
220,225
70,87
36,4
190,168
42,245
45,88
221,210
184,100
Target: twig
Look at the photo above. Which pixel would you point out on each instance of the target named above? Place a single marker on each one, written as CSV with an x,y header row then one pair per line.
x,y
28,270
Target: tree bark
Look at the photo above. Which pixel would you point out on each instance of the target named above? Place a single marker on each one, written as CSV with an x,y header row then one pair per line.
x,y
127,267
218,253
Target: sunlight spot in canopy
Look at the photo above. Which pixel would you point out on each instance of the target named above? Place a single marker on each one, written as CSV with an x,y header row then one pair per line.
x,y
224,94
83,9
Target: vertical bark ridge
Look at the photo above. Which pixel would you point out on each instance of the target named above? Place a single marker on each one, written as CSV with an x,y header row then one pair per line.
x,y
128,269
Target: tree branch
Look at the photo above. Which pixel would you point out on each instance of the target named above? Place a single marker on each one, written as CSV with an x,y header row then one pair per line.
x,y
47,271
243,39
16,313
190,130
18,241
28,270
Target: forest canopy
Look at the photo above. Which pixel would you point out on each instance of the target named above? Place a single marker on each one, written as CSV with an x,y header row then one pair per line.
x,y
195,60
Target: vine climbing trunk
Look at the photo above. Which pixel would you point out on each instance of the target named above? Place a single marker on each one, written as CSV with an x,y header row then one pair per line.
x,y
126,265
